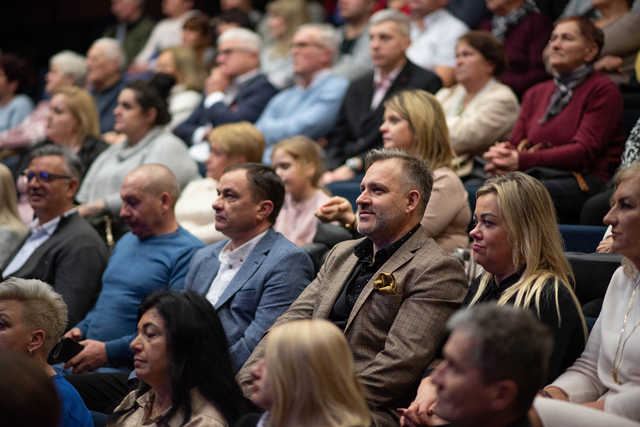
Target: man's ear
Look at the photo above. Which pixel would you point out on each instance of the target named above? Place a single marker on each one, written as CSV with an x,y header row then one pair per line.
x,y
503,395
165,201
36,341
74,183
413,199
265,207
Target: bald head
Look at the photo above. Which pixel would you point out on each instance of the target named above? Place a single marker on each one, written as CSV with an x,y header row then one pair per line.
x,y
149,194
157,179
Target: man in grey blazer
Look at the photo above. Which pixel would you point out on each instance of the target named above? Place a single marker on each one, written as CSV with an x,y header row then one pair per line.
x,y
62,249
255,275
391,292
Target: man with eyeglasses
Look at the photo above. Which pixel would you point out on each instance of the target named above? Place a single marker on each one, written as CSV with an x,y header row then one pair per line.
x,y
235,90
62,249
311,106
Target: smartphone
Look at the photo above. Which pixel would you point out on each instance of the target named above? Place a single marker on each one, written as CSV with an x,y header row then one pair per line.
x,y
64,350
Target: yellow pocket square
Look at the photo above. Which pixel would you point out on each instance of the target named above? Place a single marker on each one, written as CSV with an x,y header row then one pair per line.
x,y
386,284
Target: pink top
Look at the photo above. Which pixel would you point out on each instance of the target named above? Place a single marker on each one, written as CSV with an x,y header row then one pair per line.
x,y
297,221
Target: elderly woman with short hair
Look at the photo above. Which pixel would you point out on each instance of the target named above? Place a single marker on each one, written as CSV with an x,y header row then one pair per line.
x,y
569,132
479,109
65,68
32,320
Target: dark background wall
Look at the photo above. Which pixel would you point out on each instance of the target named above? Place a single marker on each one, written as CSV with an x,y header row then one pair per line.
x,y
37,29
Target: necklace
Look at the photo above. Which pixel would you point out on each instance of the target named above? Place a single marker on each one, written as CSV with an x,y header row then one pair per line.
x,y
617,359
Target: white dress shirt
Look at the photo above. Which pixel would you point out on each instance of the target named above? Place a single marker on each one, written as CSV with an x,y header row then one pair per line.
x,y
230,263
436,43
38,234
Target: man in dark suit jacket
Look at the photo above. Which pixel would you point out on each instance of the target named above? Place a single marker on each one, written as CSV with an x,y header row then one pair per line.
x,y
235,89
362,110
62,249
254,276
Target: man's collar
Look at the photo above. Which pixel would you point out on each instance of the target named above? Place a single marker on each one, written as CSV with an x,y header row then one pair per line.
x,y
377,74
242,251
319,75
364,249
243,78
50,226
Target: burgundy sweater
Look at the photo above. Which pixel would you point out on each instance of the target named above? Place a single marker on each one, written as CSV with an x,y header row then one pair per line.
x,y
586,136
523,47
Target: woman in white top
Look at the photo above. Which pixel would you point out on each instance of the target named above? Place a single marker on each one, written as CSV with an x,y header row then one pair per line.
x,y
607,375
479,109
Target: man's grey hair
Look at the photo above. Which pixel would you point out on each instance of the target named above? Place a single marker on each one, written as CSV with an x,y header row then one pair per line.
x,y
327,37
508,343
111,49
72,162
42,307
391,15
416,170
250,40
71,64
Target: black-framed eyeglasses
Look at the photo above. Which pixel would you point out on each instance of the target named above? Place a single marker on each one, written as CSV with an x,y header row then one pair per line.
x,y
43,176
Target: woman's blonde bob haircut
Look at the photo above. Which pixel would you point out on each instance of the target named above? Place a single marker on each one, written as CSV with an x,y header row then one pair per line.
x,y
240,139
311,371
305,150
428,123
83,108
628,173
188,67
529,218
9,216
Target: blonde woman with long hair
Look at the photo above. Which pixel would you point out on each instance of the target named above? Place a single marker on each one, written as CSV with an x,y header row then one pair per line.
x,y
517,242
307,378
12,230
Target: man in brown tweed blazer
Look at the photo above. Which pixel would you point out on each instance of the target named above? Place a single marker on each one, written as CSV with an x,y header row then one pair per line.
x,y
390,292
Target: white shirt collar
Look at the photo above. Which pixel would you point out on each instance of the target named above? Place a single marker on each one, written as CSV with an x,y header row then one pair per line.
x,y
239,254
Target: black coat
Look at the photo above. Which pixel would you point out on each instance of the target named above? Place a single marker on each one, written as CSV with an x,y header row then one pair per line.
x,y
356,131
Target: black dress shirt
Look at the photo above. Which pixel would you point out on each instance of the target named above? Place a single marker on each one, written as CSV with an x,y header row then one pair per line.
x,y
365,268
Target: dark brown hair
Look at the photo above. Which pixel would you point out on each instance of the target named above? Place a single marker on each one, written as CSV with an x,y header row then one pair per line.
x,y
489,47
